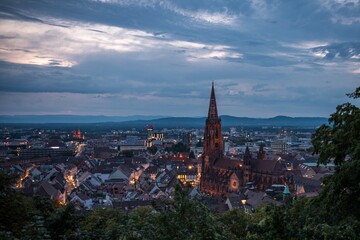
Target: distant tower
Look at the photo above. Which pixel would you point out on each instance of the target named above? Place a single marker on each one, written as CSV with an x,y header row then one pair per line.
x,y
80,136
77,134
247,165
261,153
213,141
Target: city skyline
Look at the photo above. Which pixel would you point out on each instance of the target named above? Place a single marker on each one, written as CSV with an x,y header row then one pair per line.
x,y
122,58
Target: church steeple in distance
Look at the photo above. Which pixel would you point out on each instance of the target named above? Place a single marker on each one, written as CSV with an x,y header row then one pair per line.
x,y
213,142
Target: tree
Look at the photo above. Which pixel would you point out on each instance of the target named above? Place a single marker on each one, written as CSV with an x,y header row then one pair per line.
x,y
340,141
103,224
342,137
141,224
341,193
128,153
187,219
180,147
15,209
153,149
35,229
63,223
236,222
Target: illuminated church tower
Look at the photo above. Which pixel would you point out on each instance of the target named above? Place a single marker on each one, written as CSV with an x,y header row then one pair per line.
x,y
214,180
213,141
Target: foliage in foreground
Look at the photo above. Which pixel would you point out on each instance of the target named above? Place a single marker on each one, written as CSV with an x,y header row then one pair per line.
x,y
181,219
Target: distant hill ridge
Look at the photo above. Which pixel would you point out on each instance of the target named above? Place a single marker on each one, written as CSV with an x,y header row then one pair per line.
x,y
162,121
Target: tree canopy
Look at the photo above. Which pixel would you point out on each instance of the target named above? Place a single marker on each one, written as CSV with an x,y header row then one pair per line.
x,y
341,138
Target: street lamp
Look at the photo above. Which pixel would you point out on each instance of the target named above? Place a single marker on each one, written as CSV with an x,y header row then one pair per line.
x,y
243,201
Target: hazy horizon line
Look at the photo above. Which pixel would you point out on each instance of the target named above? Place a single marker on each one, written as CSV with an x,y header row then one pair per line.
x,y
158,116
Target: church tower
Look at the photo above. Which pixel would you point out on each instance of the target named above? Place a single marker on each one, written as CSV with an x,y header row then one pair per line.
x,y
247,165
213,141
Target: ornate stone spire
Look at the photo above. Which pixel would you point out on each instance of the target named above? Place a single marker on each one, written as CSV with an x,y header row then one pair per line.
x,y
213,113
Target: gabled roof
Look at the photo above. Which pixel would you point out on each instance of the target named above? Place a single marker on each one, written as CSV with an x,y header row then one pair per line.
x,y
256,199
235,201
272,166
51,174
82,196
47,190
84,176
306,181
18,168
59,178
152,170
87,185
35,171
227,163
120,173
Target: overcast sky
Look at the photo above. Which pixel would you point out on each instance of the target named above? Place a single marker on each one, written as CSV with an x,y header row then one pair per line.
x,y
150,57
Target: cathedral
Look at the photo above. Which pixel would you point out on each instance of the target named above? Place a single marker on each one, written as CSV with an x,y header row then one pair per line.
x,y
222,175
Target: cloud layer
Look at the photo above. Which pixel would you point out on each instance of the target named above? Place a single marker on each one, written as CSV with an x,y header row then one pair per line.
x,y
121,57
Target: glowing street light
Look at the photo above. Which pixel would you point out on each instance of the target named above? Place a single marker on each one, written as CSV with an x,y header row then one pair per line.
x,y
243,201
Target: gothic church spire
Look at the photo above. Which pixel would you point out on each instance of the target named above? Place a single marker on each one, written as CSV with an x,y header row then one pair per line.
x,y
213,113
